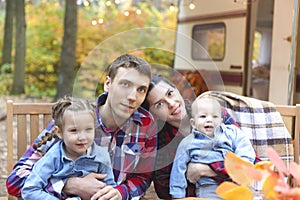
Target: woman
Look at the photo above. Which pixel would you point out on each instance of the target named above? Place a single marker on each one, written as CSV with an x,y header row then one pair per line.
x,y
165,102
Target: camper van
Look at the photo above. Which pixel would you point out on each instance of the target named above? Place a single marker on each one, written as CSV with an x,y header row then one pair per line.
x,y
240,46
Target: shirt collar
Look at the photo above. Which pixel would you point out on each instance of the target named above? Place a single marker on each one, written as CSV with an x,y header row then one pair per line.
x,y
89,154
198,134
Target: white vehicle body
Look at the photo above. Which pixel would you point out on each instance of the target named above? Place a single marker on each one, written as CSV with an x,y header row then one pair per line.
x,y
217,36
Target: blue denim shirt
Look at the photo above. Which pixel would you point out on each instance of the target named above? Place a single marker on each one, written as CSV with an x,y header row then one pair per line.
x,y
55,165
199,148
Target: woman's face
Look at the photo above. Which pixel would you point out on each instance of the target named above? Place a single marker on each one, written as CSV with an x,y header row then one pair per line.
x,y
166,103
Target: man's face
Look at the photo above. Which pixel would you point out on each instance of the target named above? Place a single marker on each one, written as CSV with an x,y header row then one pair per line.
x,y
126,92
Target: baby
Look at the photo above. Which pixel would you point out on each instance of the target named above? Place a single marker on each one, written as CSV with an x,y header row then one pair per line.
x,y
209,141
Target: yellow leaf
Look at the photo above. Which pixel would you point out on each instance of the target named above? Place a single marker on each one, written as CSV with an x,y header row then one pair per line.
x,y
237,169
269,184
263,165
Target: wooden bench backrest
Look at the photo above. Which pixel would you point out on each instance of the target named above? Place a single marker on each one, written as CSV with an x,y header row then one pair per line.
x,y
26,120
291,117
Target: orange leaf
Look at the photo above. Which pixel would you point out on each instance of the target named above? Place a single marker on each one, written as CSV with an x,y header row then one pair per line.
x,y
225,186
236,168
293,193
229,191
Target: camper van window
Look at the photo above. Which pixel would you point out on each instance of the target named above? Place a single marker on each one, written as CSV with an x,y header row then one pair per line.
x,y
208,41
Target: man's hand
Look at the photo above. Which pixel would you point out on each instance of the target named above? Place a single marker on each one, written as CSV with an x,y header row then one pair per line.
x,y
107,193
196,170
85,187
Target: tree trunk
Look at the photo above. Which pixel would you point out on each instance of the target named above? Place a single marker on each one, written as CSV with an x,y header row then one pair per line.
x,y
68,52
157,4
19,70
8,33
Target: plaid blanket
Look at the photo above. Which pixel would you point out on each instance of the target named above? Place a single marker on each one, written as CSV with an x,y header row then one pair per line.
x,y
260,121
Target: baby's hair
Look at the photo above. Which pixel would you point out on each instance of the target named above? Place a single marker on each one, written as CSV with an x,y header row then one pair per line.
x,y
212,100
58,110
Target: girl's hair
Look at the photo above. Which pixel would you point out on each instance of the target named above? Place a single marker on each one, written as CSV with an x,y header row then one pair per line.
x,y
156,79
58,110
72,104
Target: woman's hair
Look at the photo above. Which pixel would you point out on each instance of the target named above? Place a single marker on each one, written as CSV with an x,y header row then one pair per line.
x,y
156,79
72,104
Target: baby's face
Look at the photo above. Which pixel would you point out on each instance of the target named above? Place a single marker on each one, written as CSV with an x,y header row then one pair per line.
x,y
206,117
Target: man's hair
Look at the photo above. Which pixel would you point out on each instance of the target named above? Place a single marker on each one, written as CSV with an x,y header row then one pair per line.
x,y
72,104
129,61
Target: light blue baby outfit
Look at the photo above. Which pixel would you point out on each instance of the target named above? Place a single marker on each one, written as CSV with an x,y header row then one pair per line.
x,y
199,148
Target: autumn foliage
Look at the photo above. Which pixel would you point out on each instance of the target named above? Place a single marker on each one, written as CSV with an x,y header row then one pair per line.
x,y
44,33
279,182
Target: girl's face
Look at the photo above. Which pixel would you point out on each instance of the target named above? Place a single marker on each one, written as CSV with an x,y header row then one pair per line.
x,y
167,104
78,132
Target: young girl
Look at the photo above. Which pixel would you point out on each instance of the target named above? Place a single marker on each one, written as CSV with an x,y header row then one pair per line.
x,y
75,155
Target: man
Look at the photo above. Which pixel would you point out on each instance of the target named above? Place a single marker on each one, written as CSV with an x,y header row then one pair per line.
x,y
126,130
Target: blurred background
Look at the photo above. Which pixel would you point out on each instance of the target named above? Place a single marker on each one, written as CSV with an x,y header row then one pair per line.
x,y
44,44
46,41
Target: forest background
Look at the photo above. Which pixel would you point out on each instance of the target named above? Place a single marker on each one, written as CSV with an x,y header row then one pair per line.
x,y
45,43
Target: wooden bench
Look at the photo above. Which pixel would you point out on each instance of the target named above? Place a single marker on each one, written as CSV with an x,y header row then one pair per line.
x,y
26,120
291,117
24,123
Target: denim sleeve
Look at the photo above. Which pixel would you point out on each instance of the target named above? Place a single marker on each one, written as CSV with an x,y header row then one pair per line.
x,y
36,185
242,145
178,182
106,168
